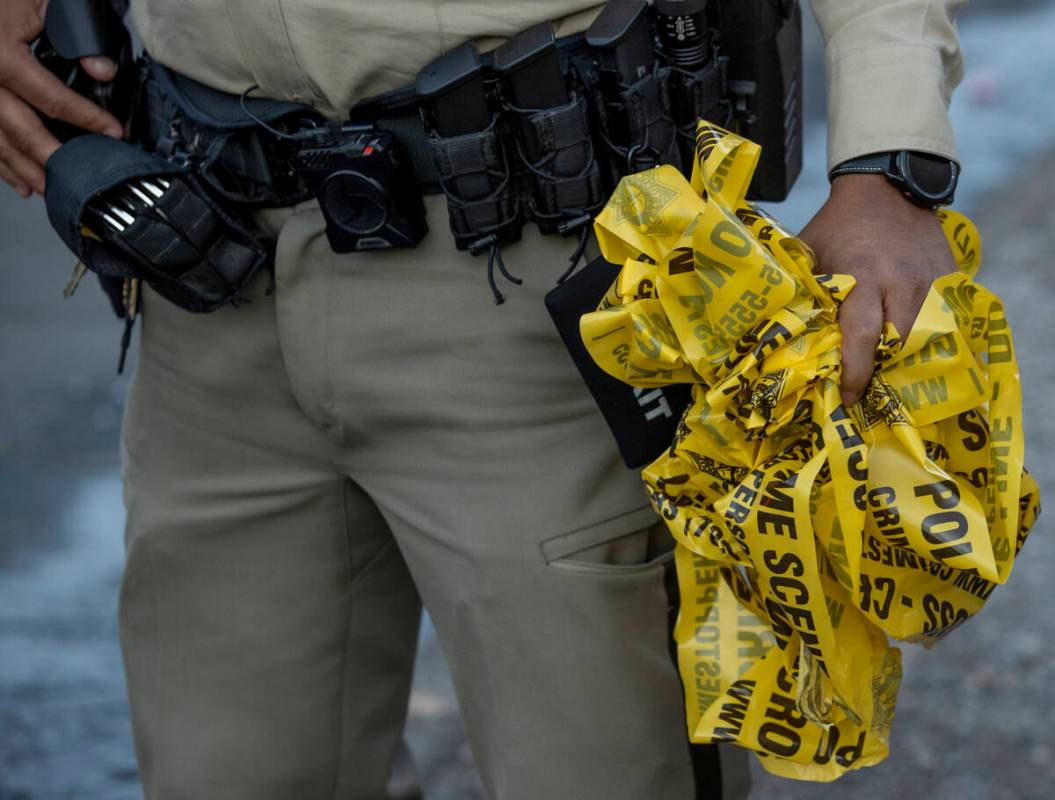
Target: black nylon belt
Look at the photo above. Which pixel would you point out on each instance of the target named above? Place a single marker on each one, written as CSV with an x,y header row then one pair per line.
x,y
399,112
552,165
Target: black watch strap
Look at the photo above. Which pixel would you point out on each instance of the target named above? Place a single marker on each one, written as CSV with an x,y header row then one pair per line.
x,y
878,163
927,180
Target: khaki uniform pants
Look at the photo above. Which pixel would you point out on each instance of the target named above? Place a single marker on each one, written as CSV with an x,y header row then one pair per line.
x,y
301,469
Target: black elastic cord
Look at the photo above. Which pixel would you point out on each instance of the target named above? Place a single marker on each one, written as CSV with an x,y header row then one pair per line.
x,y
576,257
499,297
269,128
497,249
126,340
494,258
131,304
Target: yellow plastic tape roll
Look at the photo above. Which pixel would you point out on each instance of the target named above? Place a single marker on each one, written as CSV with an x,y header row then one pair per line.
x,y
808,533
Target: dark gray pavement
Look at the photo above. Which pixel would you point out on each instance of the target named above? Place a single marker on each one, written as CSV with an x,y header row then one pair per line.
x,y
974,715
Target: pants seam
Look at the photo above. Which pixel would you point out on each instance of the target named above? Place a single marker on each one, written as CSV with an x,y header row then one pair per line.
x,y
353,579
155,667
439,26
302,76
157,655
338,762
330,398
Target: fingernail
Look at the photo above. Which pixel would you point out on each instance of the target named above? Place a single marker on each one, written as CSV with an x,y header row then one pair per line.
x,y
849,398
104,66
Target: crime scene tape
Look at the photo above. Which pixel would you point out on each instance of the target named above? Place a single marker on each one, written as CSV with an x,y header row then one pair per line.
x,y
807,532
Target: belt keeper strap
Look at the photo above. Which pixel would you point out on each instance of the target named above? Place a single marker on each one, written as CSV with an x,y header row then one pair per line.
x,y
578,192
647,101
469,154
562,127
707,87
472,217
410,132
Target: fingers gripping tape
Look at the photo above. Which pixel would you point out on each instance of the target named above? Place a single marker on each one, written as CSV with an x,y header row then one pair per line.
x,y
807,532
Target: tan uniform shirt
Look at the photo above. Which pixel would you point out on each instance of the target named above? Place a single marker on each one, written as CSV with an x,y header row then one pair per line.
x,y
892,64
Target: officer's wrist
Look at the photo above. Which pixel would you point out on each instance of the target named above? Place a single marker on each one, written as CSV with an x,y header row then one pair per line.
x,y
860,187
872,201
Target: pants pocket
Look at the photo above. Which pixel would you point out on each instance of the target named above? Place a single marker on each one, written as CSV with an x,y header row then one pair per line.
x,y
631,543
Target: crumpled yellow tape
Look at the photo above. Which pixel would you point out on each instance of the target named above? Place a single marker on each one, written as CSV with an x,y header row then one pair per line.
x,y
807,532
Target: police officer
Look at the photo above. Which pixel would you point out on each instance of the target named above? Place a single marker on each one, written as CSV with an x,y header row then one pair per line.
x,y
302,469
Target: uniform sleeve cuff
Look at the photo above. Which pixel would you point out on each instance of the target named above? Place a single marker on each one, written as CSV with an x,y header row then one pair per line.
x,y
892,97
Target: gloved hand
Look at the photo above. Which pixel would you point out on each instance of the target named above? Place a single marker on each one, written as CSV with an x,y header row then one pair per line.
x,y
25,144
894,249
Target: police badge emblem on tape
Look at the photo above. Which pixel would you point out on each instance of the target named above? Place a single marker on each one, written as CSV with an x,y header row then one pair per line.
x,y
809,533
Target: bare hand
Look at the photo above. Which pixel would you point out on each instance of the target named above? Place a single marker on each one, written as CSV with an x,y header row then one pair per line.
x,y
893,248
25,144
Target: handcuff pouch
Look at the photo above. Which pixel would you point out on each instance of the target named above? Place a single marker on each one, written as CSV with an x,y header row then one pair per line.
x,y
179,241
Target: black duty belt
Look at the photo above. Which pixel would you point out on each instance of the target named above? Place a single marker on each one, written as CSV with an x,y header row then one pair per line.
x,y
539,130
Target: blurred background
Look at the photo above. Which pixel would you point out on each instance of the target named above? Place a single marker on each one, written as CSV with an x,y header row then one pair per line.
x,y
974,719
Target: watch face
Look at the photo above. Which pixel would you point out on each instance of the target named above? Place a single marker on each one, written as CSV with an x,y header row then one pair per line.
x,y
929,178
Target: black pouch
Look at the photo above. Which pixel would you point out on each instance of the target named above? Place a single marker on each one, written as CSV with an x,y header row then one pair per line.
x,y
699,94
235,157
127,213
476,176
643,421
653,134
566,181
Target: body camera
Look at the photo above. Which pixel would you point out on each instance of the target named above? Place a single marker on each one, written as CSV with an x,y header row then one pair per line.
x,y
366,188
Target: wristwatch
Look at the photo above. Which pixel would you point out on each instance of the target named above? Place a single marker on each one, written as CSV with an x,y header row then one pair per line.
x,y
927,180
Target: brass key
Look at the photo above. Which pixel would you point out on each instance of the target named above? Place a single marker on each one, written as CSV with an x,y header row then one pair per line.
x,y
79,271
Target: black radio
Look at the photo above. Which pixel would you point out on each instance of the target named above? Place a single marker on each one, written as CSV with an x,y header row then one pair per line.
x,y
763,41
365,186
